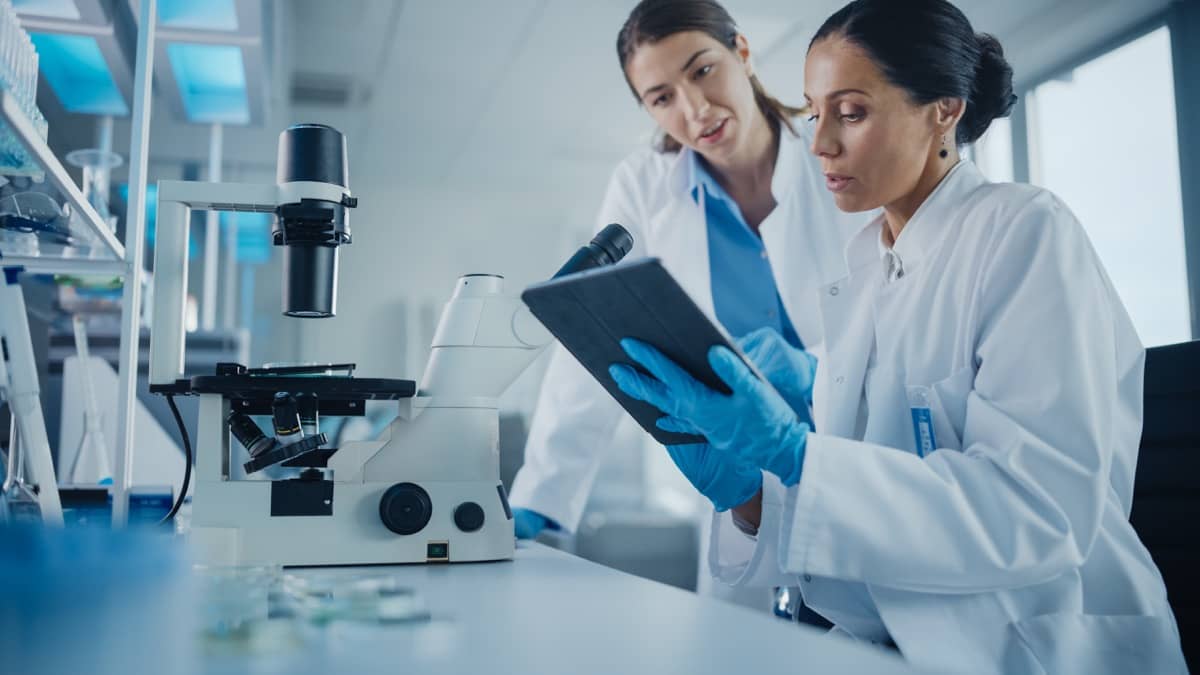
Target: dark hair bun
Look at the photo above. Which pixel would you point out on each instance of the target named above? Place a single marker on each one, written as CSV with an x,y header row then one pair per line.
x,y
992,93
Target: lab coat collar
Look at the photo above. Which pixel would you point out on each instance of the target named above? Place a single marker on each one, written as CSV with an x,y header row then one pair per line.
x,y
680,177
925,228
700,179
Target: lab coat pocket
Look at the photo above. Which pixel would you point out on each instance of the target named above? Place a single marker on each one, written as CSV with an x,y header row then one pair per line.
x,y
946,402
1083,643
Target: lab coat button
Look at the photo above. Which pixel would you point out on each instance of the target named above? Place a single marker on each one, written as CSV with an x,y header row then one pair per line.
x,y
839,379
808,578
833,290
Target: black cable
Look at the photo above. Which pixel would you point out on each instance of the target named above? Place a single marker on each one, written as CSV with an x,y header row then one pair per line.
x,y
187,451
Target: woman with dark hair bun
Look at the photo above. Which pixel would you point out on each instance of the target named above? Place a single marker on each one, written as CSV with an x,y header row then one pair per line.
x,y
964,495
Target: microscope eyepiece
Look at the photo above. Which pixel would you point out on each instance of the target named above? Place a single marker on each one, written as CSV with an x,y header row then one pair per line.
x,y
606,248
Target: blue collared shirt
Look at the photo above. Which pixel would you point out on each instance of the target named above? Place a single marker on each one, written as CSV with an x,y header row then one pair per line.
x,y
743,287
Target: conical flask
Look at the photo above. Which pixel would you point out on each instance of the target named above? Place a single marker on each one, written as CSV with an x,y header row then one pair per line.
x,y
91,465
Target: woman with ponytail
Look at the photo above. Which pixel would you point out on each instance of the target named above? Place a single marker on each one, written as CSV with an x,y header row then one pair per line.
x,y
964,493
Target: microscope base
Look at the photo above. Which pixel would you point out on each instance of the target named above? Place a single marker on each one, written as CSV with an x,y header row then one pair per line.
x,y
232,525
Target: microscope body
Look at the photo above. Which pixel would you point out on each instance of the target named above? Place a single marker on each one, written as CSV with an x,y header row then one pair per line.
x,y
426,490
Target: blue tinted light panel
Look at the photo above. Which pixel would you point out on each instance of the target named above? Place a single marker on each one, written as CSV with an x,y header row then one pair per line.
x,y
57,9
206,15
78,74
211,81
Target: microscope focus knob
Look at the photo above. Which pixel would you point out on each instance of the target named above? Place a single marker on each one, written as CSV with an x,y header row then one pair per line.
x,y
405,508
468,516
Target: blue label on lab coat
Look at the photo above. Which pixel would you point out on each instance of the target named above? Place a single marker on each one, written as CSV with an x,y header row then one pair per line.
x,y
923,430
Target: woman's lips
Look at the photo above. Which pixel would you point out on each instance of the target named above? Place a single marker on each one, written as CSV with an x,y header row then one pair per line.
x,y
717,134
836,183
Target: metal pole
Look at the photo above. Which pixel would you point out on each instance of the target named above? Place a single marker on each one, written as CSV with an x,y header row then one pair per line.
x,y
135,237
229,266
212,238
1022,172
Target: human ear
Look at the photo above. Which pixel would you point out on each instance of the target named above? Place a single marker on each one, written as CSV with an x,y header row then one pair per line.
x,y
741,47
949,111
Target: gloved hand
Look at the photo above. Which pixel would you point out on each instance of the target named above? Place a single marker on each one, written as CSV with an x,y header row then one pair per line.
x,y
791,371
753,425
724,481
529,524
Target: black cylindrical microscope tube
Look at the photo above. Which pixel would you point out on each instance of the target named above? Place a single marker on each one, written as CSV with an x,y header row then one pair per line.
x,y
606,248
249,434
310,423
286,414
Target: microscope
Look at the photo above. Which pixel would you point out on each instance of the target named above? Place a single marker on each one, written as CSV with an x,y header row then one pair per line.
x,y
428,488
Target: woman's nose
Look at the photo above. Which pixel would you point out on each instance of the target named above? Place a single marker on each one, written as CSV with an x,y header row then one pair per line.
x,y
825,143
697,103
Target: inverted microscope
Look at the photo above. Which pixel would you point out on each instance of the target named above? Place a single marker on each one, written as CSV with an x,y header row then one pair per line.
x,y
428,488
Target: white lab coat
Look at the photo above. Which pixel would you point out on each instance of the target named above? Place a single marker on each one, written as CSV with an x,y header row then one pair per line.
x,y
648,194
1009,548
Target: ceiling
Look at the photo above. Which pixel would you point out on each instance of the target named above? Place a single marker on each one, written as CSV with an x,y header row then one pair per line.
x,y
461,92
523,94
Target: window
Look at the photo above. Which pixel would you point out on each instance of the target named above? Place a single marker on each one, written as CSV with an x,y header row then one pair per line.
x,y
992,153
1102,137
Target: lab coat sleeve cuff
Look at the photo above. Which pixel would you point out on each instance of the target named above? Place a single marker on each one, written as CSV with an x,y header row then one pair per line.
x,y
737,559
801,531
547,504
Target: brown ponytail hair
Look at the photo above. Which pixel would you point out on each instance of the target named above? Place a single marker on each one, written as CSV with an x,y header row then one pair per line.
x,y
654,20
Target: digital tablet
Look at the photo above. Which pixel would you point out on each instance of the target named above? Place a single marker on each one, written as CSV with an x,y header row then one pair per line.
x,y
591,312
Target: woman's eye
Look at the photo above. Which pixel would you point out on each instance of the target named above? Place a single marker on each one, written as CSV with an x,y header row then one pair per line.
x,y
851,117
660,100
702,71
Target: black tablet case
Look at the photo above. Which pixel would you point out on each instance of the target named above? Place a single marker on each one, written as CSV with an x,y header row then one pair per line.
x,y
590,312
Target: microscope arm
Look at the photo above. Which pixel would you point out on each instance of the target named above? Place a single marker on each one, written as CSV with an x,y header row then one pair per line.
x,y
484,340
449,431
176,200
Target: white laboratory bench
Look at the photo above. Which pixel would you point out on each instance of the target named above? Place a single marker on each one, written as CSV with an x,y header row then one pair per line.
x,y
551,612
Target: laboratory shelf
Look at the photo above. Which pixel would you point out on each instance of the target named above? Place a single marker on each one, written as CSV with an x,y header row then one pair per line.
x,y
76,267
84,245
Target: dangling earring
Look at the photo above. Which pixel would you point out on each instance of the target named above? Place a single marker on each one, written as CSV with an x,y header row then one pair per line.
x,y
944,153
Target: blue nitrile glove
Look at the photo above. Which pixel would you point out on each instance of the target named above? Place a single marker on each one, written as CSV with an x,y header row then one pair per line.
x,y
754,424
529,524
791,371
725,481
